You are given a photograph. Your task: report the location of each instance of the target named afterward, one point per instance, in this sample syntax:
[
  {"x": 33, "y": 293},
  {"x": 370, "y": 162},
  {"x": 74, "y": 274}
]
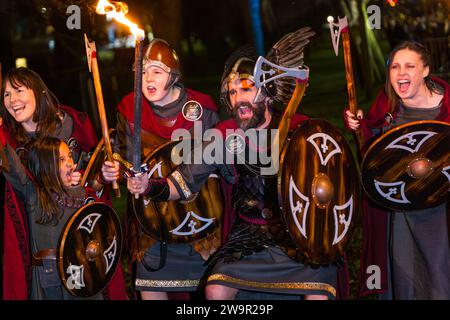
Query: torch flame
[
  {"x": 118, "y": 11},
  {"x": 392, "y": 2}
]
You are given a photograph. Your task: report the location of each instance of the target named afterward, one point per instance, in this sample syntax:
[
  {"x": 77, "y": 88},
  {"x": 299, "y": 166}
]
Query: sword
[
  {"x": 91, "y": 53},
  {"x": 343, "y": 29},
  {"x": 138, "y": 56}
]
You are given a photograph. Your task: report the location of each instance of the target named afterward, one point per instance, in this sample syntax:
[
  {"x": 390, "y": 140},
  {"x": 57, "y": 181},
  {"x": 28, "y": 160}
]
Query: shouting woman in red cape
[{"x": 417, "y": 241}]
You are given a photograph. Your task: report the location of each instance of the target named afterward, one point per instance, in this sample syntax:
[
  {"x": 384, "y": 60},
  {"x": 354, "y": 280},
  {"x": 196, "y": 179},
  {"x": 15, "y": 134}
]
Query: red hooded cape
[{"x": 150, "y": 119}]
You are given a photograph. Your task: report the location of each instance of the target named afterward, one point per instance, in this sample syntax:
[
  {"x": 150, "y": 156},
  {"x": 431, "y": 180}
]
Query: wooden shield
[
  {"x": 179, "y": 221},
  {"x": 408, "y": 168},
  {"x": 97, "y": 159},
  {"x": 319, "y": 191},
  {"x": 89, "y": 249}
]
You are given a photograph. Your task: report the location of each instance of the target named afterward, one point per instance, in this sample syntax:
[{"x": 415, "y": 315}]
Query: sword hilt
[{"x": 128, "y": 169}]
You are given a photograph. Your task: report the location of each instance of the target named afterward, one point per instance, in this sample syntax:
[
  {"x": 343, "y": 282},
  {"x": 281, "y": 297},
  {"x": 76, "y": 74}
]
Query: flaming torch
[
  {"x": 392, "y": 3},
  {"x": 118, "y": 11}
]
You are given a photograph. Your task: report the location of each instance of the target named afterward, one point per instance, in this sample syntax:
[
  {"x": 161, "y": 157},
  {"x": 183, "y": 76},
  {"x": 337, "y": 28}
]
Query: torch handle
[
  {"x": 351, "y": 88},
  {"x": 102, "y": 113}
]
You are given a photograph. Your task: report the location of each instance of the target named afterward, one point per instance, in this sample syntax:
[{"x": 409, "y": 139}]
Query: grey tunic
[{"x": 419, "y": 252}]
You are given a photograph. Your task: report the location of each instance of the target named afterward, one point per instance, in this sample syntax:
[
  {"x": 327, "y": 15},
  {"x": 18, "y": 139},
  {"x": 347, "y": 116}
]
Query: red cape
[
  {"x": 16, "y": 261},
  {"x": 374, "y": 246},
  {"x": 150, "y": 119}
]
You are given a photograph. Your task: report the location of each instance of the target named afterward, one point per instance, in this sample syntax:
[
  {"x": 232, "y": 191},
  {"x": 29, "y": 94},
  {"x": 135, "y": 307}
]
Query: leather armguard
[{"x": 158, "y": 189}]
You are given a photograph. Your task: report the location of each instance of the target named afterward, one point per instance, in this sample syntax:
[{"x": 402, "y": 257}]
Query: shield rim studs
[{"x": 414, "y": 171}]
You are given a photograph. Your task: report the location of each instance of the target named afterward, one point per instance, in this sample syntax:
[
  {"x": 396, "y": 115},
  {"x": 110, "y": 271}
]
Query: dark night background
[{"x": 204, "y": 33}]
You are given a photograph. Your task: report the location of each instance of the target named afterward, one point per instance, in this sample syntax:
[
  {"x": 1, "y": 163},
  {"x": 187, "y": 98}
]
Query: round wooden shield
[
  {"x": 97, "y": 158},
  {"x": 408, "y": 168},
  {"x": 89, "y": 249},
  {"x": 319, "y": 191},
  {"x": 179, "y": 221}
]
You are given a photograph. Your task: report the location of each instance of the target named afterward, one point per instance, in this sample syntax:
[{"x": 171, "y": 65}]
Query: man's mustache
[{"x": 244, "y": 104}]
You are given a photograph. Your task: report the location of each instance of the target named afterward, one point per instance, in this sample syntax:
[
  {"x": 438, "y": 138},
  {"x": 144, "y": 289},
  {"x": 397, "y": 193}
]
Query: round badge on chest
[{"x": 192, "y": 110}]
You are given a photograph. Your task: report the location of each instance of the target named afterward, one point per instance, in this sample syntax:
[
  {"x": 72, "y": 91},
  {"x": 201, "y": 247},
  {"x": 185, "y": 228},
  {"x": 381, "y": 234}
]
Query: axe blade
[
  {"x": 336, "y": 30},
  {"x": 90, "y": 48},
  {"x": 275, "y": 71}
]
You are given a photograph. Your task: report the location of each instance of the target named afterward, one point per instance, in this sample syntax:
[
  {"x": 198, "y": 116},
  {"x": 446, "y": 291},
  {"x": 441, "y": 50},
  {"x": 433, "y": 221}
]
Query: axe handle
[
  {"x": 283, "y": 128},
  {"x": 102, "y": 113},
  {"x": 351, "y": 88}
]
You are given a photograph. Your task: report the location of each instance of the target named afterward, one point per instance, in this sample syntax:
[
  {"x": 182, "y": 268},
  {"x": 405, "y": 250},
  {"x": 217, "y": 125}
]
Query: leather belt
[{"x": 37, "y": 257}]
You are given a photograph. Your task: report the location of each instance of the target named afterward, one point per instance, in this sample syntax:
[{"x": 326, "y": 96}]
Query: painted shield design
[
  {"x": 179, "y": 221},
  {"x": 408, "y": 168},
  {"x": 319, "y": 191},
  {"x": 89, "y": 249}
]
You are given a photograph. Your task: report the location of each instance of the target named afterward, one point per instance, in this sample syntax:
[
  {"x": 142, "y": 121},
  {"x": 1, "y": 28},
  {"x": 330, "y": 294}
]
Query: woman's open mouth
[
  {"x": 403, "y": 85},
  {"x": 18, "y": 109}
]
